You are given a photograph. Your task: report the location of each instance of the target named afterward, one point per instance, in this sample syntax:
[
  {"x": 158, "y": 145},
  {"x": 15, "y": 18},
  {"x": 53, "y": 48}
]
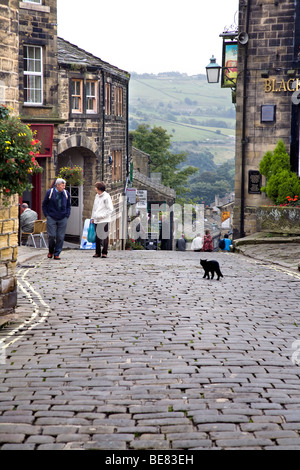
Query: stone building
[
  {"x": 93, "y": 107},
  {"x": 266, "y": 98},
  {"x": 157, "y": 197},
  {"x": 78, "y": 106}
]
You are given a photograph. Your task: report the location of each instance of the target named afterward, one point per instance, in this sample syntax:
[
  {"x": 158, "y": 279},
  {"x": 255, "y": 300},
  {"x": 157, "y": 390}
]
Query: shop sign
[{"x": 272, "y": 85}]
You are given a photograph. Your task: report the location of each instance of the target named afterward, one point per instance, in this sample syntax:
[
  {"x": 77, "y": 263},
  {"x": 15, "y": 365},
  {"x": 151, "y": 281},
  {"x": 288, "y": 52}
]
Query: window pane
[{"x": 75, "y": 102}]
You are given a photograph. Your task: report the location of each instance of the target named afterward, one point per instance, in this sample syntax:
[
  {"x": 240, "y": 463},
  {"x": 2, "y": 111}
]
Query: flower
[
  {"x": 72, "y": 175},
  {"x": 20, "y": 147}
]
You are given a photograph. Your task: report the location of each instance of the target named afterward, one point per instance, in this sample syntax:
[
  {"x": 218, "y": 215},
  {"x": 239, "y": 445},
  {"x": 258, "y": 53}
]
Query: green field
[{"x": 195, "y": 113}]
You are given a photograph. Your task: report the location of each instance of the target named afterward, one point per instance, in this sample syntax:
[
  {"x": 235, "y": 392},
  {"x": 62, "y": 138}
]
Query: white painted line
[{"x": 36, "y": 318}]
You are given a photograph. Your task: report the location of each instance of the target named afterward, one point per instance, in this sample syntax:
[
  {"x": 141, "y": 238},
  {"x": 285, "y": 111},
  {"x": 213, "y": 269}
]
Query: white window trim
[
  {"x": 36, "y": 74},
  {"x": 33, "y": 1},
  {"x": 80, "y": 110},
  {"x": 94, "y": 97}
]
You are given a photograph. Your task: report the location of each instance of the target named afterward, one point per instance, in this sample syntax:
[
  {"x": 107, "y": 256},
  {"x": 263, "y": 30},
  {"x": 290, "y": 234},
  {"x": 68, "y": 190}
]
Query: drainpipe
[
  {"x": 124, "y": 217},
  {"x": 244, "y": 138},
  {"x": 127, "y": 130},
  {"x": 103, "y": 123}
]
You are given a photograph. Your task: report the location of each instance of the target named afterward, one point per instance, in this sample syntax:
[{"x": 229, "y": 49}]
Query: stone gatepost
[{"x": 9, "y": 225}]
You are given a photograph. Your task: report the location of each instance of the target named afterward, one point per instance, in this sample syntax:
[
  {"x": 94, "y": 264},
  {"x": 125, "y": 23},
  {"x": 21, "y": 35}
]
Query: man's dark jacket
[{"x": 50, "y": 204}]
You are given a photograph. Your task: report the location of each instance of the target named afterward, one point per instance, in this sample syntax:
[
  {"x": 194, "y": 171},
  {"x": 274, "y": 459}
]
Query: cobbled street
[{"x": 138, "y": 351}]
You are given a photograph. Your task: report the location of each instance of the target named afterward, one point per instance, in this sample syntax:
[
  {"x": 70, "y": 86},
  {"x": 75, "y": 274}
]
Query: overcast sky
[{"x": 150, "y": 36}]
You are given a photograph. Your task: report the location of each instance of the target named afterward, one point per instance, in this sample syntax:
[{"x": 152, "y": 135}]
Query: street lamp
[{"x": 213, "y": 71}]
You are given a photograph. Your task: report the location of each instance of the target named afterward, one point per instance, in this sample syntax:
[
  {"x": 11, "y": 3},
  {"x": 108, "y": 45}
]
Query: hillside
[{"x": 200, "y": 116}]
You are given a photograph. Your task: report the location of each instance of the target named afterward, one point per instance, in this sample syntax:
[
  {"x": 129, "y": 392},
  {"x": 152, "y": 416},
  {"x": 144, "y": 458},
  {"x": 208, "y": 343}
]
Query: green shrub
[{"x": 281, "y": 182}]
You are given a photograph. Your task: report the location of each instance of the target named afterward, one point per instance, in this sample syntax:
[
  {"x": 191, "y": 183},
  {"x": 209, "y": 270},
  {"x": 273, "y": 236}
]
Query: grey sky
[{"x": 149, "y": 36}]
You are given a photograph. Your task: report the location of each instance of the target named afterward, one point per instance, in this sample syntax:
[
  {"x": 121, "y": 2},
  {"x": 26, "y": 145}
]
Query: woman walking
[{"x": 101, "y": 217}]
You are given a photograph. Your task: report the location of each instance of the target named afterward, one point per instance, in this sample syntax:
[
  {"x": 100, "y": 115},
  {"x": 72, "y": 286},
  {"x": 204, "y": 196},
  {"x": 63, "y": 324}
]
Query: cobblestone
[{"x": 140, "y": 352}]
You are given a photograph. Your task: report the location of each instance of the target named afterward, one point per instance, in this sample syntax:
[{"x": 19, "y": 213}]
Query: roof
[
  {"x": 68, "y": 53},
  {"x": 157, "y": 187}
]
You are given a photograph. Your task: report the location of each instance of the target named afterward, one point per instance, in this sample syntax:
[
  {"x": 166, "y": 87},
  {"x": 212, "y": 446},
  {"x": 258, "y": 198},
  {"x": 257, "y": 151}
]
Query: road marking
[
  {"x": 38, "y": 316},
  {"x": 274, "y": 267}
]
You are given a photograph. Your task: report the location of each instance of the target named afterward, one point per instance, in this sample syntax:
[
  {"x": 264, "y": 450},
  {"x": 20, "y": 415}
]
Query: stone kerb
[{"x": 9, "y": 223}]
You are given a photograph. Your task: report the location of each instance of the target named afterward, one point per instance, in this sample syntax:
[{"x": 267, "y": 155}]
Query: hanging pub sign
[
  {"x": 44, "y": 133},
  {"x": 229, "y": 64}
]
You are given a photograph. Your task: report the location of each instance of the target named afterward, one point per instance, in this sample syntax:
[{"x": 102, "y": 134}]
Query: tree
[
  {"x": 205, "y": 185},
  {"x": 156, "y": 142},
  {"x": 281, "y": 181}
]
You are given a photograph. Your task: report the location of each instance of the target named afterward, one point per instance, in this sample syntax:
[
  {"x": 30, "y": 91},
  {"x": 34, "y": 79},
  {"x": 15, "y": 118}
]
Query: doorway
[
  {"x": 74, "y": 226},
  {"x": 68, "y": 159}
]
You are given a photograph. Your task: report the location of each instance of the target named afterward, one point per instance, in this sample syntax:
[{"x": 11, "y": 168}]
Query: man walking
[{"x": 57, "y": 208}]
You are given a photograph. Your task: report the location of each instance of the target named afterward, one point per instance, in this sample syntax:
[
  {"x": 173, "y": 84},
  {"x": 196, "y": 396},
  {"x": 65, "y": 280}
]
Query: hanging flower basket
[
  {"x": 18, "y": 151},
  {"x": 72, "y": 175}
]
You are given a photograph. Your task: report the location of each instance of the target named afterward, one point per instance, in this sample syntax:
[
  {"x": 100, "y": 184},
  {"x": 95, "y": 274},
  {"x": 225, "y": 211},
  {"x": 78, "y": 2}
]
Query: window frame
[
  {"x": 27, "y": 74},
  {"x": 93, "y": 97},
  {"x": 75, "y": 95},
  {"x": 119, "y": 101},
  {"x": 116, "y": 166},
  {"x": 39, "y": 2}
]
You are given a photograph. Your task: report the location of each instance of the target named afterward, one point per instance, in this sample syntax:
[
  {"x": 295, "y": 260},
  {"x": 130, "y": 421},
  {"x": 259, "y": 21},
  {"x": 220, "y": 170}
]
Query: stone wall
[
  {"x": 9, "y": 224},
  {"x": 9, "y": 50},
  {"x": 278, "y": 220},
  {"x": 9, "y": 95},
  {"x": 270, "y": 54}
]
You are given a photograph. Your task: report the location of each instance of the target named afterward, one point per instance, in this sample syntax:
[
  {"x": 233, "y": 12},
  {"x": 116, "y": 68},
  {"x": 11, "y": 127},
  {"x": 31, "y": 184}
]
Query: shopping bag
[{"x": 91, "y": 235}]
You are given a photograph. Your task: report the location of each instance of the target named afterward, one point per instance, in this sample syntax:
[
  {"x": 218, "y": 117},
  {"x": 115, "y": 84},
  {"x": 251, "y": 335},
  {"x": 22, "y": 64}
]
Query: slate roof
[
  {"x": 68, "y": 53},
  {"x": 159, "y": 188}
]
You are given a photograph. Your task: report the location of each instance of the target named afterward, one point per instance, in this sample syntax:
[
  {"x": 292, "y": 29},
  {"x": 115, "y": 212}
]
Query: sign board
[
  {"x": 131, "y": 195},
  {"x": 254, "y": 182},
  {"x": 229, "y": 69},
  {"x": 141, "y": 199},
  {"x": 85, "y": 245},
  {"x": 225, "y": 215}
]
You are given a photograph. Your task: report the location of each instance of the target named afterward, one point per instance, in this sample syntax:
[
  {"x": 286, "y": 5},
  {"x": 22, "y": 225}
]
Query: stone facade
[
  {"x": 9, "y": 51},
  {"x": 90, "y": 138},
  {"x": 9, "y": 225},
  {"x": 9, "y": 95},
  {"x": 38, "y": 27},
  {"x": 267, "y": 71},
  {"x": 98, "y": 139},
  {"x": 93, "y": 138}
]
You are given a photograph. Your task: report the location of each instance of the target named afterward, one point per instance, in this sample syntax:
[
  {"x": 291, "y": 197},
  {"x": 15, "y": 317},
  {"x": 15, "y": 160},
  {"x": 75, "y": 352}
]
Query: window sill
[
  {"x": 85, "y": 116},
  {"x": 35, "y": 105},
  {"x": 34, "y": 6}
]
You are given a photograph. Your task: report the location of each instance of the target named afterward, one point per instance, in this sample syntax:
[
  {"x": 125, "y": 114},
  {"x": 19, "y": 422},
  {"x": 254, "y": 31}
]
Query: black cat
[{"x": 212, "y": 267}]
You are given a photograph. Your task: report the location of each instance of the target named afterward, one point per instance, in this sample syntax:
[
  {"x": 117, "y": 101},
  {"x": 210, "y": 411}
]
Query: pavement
[{"x": 139, "y": 352}]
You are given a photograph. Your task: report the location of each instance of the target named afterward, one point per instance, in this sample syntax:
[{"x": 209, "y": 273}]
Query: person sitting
[{"x": 27, "y": 218}]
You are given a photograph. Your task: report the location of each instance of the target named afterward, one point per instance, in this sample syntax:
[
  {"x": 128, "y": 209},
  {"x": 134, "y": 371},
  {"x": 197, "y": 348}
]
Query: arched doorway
[{"x": 69, "y": 158}]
